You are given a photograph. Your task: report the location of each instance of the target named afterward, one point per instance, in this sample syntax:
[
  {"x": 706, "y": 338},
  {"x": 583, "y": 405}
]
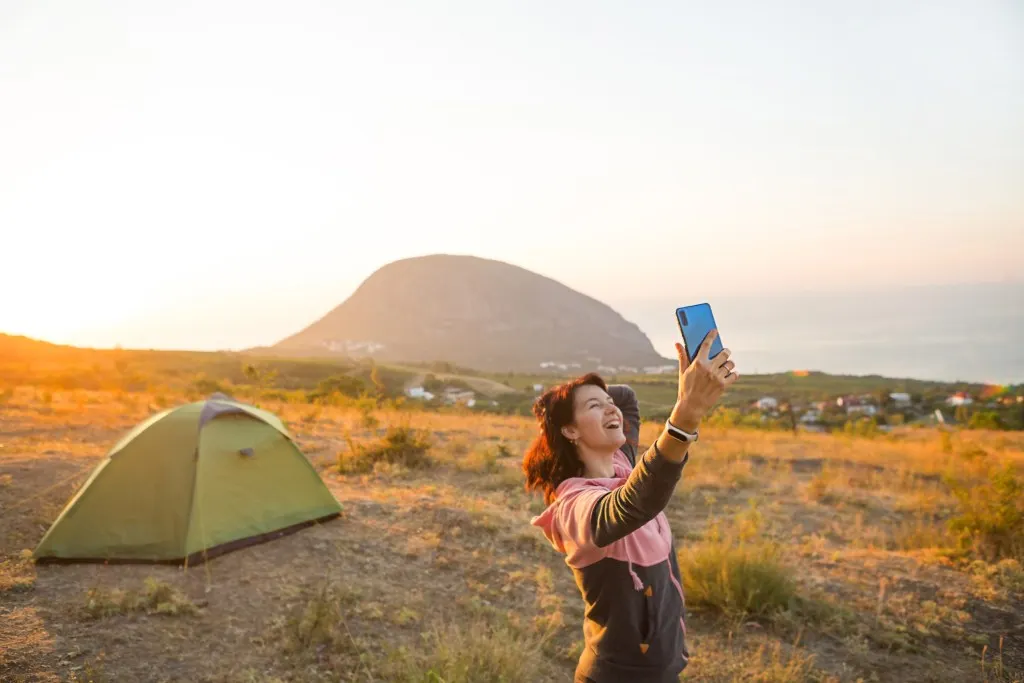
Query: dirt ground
[{"x": 438, "y": 570}]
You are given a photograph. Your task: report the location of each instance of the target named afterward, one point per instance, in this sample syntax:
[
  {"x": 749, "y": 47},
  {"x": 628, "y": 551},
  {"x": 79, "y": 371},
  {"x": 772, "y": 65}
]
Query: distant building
[
  {"x": 864, "y": 409},
  {"x": 453, "y": 395},
  {"x": 900, "y": 399},
  {"x": 767, "y": 403},
  {"x": 538, "y": 388},
  {"x": 419, "y": 392},
  {"x": 352, "y": 346},
  {"x": 960, "y": 398},
  {"x": 811, "y": 417},
  {"x": 857, "y": 404}
]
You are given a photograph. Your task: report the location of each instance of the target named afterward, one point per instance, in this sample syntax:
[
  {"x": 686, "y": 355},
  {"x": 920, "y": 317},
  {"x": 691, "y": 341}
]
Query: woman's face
[{"x": 597, "y": 422}]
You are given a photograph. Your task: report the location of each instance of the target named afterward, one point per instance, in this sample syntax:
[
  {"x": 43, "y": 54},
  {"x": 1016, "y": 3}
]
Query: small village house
[
  {"x": 811, "y": 416},
  {"x": 900, "y": 399},
  {"x": 857, "y": 405},
  {"x": 419, "y": 393},
  {"x": 960, "y": 398},
  {"x": 453, "y": 395}
]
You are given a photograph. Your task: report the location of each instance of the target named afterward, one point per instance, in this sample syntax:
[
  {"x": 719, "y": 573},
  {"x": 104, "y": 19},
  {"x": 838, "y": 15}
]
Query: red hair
[{"x": 552, "y": 458}]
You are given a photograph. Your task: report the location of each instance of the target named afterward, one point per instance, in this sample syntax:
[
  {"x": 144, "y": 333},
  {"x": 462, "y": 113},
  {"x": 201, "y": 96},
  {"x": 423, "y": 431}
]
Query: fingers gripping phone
[{"x": 695, "y": 324}]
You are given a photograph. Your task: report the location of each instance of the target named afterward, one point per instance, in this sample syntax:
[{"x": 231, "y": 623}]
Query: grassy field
[
  {"x": 29, "y": 362},
  {"x": 807, "y": 557}
]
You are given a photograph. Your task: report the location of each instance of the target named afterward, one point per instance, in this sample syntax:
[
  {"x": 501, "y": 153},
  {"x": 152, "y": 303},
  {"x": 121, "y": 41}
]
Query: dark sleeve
[
  {"x": 625, "y": 399},
  {"x": 645, "y": 493}
]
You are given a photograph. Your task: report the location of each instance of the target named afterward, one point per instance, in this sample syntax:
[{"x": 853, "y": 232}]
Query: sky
[{"x": 216, "y": 174}]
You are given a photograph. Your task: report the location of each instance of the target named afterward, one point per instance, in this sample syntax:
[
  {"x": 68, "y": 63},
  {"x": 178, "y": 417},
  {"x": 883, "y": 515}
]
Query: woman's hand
[{"x": 701, "y": 383}]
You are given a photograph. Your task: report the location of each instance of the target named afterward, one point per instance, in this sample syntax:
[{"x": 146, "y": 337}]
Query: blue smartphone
[{"x": 695, "y": 324}]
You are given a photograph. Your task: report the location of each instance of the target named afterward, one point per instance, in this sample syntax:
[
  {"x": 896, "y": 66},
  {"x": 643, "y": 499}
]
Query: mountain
[
  {"x": 18, "y": 347},
  {"x": 477, "y": 313}
]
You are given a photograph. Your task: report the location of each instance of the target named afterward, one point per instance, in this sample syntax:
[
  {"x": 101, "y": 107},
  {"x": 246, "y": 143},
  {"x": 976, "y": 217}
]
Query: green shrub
[
  {"x": 736, "y": 578},
  {"x": 864, "y": 426},
  {"x": 474, "y": 654},
  {"x": 990, "y": 522},
  {"x": 156, "y": 598},
  {"x": 400, "y": 445},
  {"x": 328, "y": 390},
  {"x": 481, "y": 459},
  {"x": 204, "y": 386},
  {"x": 320, "y": 621},
  {"x": 772, "y": 665},
  {"x": 984, "y": 420}
]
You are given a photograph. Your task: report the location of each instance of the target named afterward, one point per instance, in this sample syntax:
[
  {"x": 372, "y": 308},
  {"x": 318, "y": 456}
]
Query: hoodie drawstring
[
  {"x": 682, "y": 619},
  {"x": 637, "y": 583}
]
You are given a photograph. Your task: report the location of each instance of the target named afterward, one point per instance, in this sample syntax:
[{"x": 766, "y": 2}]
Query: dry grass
[
  {"x": 399, "y": 446},
  {"x": 471, "y": 653},
  {"x": 847, "y": 566},
  {"x": 156, "y": 597},
  {"x": 739, "y": 579}
]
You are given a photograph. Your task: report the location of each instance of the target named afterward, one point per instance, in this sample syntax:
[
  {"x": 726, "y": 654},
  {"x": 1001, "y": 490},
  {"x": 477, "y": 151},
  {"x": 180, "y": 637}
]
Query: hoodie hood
[{"x": 567, "y": 526}]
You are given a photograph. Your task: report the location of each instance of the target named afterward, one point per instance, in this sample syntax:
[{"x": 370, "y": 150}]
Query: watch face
[{"x": 681, "y": 435}]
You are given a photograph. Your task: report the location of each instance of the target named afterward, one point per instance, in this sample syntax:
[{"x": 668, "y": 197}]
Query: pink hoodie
[{"x": 641, "y": 637}]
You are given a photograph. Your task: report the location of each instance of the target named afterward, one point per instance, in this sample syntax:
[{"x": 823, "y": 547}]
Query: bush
[
  {"x": 774, "y": 666},
  {"x": 157, "y": 598},
  {"x": 984, "y": 420},
  {"x": 203, "y": 386},
  {"x": 736, "y": 578},
  {"x": 320, "y": 621},
  {"x": 864, "y": 426},
  {"x": 481, "y": 460},
  {"x": 724, "y": 418},
  {"x": 477, "y": 653},
  {"x": 400, "y": 445},
  {"x": 341, "y": 385},
  {"x": 991, "y": 519}
]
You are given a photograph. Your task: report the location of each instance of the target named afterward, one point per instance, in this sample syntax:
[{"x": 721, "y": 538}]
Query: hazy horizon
[
  {"x": 954, "y": 332},
  {"x": 164, "y": 167}
]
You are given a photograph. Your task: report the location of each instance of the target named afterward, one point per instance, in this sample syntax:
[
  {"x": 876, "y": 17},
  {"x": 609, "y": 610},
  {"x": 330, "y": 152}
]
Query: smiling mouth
[{"x": 614, "y": 424}]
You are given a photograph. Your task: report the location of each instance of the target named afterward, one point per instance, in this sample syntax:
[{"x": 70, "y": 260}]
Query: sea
[{"x": 951, "y": 333}]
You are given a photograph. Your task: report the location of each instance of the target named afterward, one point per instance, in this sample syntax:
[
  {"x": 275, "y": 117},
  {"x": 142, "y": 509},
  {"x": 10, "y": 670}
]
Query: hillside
[
  {"x": 805, "y": 558},
  {"x": 477, "y": 313},
  {"x": 30, "y": 362}
]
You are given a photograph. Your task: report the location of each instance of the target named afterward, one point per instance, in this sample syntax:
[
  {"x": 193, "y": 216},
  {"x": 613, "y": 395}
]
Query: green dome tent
[{"x": 189, "y": 483}]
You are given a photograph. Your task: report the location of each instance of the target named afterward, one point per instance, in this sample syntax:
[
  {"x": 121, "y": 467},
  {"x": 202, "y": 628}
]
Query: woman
[{"x": 605, "y": 513}]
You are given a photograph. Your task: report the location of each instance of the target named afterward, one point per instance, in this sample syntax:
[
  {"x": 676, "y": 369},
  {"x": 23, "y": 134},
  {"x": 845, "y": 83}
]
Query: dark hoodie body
[{"x": 617, "y": 541}]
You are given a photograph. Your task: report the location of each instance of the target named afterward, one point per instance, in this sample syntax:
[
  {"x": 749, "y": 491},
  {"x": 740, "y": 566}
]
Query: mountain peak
[{"x": 476, "y": 312}]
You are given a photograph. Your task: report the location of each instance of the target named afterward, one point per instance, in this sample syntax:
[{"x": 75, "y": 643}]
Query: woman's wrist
[{"x": 684, "y": 417}]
